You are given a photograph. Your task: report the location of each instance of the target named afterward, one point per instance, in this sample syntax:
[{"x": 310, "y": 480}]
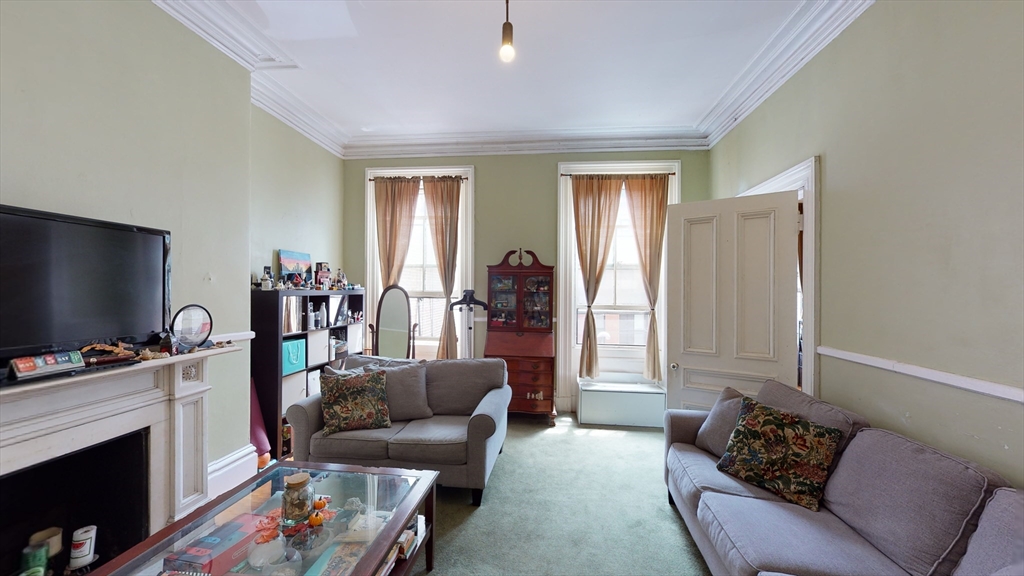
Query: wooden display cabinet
[
  {"x": 520, "y": 330},
  {"x": 291, "y": 347}
]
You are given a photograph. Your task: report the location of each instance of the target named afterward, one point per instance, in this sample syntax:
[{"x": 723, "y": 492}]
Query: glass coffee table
[{"x": 365, "y": 514}]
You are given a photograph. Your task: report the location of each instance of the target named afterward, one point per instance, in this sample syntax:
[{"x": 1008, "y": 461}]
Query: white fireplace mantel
[{"x": 40, "y": 421}]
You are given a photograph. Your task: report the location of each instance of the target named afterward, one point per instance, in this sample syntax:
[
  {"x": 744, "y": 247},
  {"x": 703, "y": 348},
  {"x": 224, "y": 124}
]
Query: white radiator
[{"x": 619, "y": 404}]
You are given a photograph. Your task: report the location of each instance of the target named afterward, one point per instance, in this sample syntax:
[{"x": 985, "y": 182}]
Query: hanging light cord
[{"x": 506, "y": 10}]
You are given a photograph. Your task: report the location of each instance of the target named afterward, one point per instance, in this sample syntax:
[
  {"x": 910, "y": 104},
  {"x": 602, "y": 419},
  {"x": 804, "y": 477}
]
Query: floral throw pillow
[
  {"x": 354, "y": 402},
  {"x": 781, "y": 453}
]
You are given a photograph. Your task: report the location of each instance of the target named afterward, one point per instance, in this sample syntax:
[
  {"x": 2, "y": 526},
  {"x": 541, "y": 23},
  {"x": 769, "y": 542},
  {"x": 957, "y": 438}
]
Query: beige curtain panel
[
  {"x": 595, "y": 203},
  {"x": 647, "y": 195},
  {"x": 442, "y": 195},
  {"x": 396, "y": 207}
]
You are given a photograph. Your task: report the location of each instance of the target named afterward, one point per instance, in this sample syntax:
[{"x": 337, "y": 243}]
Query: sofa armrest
[
  {"x": 682, "y": 426},
  {"x": 490, "y": 412},
  {"x": 306, "y": 417},
  {"x": 486, "y": 435}
]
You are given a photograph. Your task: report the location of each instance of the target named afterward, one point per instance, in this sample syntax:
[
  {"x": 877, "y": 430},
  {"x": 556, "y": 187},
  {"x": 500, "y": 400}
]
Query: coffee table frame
[{"x": 423, "y": 492}]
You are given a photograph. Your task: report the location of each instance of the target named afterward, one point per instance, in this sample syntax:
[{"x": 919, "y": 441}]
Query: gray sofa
[
  {"x": 891, "y": 505},
  {"x": 446, "y": 415}
]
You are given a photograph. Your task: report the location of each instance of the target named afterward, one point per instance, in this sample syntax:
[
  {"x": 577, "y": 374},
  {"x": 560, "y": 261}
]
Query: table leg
[{"x": 433, "y": 527}]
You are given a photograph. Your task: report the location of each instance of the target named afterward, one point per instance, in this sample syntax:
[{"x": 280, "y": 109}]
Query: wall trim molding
[
  {"x": 977, "y": 385},
  {"x": 225, "y": 473},
  {"x": 809, "y": 28},
  {"x": 219, "y": 24},
  {"x": 233, "y": 336},
  {"x": 546, "y": 142},
  {"x": 276, "y": 100}
]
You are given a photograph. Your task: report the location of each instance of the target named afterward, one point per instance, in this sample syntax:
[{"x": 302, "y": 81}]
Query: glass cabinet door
[
  {"x": 504, "y": 300},
  {"x": 537, "y": 302}
]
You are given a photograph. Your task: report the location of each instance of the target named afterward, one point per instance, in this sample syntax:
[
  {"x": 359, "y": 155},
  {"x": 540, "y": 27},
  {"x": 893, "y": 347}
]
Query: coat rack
[{"x": 468, "y": 300}]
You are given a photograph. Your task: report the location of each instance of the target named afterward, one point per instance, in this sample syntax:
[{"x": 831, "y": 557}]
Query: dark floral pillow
[
  {"x": 354, "y": 402},
  {"x": 781, "y": 453}
]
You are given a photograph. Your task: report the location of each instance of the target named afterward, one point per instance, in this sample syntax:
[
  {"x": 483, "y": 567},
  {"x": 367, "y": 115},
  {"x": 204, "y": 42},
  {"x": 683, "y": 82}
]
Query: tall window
[
  {"x": 422, "y": 281},
  {"x": 420, "y": 277},
  {"x": 621, "y": 313},
  {"x": 620, "y": 309}
]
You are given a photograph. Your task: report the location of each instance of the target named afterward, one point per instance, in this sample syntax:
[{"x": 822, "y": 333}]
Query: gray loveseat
[
  {"x": 891, "y": 505},
  {"x": 446, "y": 415}
]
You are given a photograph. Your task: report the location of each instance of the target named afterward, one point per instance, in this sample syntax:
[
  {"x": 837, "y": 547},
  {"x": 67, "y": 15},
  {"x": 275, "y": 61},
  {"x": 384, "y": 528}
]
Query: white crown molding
[
  {"x": 269, "y": 95},
  {"x": 224, "y": 28},
  {"x": 810, "y": 28},
  {"x": 541, "y": 142}
]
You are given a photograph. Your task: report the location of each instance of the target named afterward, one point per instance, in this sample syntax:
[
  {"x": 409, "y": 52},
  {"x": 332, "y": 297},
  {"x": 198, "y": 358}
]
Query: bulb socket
[{"x": 506, "y": 34}]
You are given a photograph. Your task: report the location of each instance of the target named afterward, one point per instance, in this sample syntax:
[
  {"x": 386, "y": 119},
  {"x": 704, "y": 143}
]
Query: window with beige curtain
[
  {"x": 623, "y": 309},
  {"x": 420, "y": 275}
]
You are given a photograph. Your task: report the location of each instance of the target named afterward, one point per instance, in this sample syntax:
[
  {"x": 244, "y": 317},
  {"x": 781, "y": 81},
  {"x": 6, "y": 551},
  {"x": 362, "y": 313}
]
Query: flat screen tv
[{"x": 66, "y": 282}]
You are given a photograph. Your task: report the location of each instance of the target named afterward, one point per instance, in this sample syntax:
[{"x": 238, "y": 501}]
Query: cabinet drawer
[
  {"x": 529, "y": 365},
  {"x": 537, "y": 378},
  {"x": 319, "y": 343},
  {"x": 524, "y": 405},
  {"x": 293, "y": 389},
  {"x": 529, "y": 392}
]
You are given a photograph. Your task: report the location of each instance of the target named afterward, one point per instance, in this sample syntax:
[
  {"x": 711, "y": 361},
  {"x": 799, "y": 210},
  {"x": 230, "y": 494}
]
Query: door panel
[{"x": 731, "y": 296}]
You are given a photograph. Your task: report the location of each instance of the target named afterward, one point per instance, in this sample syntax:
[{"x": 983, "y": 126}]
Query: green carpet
[{"x": 566, "y": 500}]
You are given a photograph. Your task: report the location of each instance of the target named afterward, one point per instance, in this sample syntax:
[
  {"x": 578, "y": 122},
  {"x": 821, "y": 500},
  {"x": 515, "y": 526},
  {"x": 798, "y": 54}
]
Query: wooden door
[{"x": 732, "y": 273}]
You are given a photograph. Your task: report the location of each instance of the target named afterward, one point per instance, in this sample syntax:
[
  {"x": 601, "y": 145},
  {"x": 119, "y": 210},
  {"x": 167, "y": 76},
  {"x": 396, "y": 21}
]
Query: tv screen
[{"x": 67, "y": 281}]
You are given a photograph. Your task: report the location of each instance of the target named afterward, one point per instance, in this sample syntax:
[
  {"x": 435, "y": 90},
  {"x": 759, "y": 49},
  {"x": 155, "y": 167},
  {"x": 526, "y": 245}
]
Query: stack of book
[{"x": 410, "y": 539}]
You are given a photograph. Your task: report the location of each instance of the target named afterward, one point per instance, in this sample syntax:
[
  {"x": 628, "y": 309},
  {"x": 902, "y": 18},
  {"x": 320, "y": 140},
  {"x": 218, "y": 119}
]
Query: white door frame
[{"x": 804, "y": 178}]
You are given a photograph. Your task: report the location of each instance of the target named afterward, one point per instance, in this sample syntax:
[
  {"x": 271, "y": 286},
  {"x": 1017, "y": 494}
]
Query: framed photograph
[
  {"x": 269, "y": 271},
  {"x": 295, "y": 264}
]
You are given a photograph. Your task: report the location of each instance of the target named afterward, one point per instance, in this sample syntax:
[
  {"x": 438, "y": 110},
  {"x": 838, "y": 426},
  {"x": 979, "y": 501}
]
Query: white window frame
[
  {"x": 618, "y": 363},
  {"x": 373, "y": 279}
]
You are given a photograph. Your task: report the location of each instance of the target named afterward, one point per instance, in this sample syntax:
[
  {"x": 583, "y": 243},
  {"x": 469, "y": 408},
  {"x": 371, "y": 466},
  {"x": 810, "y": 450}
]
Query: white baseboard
[{"x": 231, "y": 470}]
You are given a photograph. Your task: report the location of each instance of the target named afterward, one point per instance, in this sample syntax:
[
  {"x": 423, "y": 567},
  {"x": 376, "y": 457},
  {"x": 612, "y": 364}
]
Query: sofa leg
[
  {"x": 671, "y": 502},
  {"x": 478, "y": 496}
]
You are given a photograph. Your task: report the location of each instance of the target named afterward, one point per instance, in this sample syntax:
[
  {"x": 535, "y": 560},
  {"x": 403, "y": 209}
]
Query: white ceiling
[{"x": 369, "y": 78}]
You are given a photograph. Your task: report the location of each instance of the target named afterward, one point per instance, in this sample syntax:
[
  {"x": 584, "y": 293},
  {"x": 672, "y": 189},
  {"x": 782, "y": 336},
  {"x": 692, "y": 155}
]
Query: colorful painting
[{"x": 295, "y": 264}]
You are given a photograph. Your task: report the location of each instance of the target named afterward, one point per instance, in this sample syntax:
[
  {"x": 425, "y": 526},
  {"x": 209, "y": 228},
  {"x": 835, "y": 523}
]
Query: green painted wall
[
  {"x": 296, "y": 195},
  {"x": 114, "y": 110},
  {"x": 916, "y": 112},
  {"x": 515, "y": 203}
]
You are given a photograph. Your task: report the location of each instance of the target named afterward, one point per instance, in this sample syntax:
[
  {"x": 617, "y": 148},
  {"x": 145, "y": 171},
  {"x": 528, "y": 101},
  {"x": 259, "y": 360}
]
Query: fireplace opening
[{"x": 106, "y": 485}]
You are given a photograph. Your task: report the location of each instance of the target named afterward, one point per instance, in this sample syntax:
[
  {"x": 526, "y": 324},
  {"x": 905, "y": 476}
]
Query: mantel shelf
[{"x": 31, "y": 388}]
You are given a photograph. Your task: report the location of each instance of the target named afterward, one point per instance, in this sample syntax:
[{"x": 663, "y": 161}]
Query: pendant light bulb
[{"x": 507, "y": 52}]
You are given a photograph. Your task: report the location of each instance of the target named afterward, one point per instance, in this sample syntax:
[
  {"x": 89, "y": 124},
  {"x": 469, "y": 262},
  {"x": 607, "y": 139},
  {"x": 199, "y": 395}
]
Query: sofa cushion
[
  {"x": 776, "y": 450},
  {"x": 455, "y": 387},
  {"x": 778, "y": 395},
  {"x": 888, "y": 487},
  {"x": 354, "y": 402},
  {"x": 363, "y": 444},
  {"x": 753, "y": 536},
  {"x": 407, "y": 392},
  {"x": 714, "y": 433},
  {"x": 359, "y": 360},
  {"x": 436, "y": 440},
  {"x": 694, "y": 471},
  {"x": 999, "y": 540}
]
